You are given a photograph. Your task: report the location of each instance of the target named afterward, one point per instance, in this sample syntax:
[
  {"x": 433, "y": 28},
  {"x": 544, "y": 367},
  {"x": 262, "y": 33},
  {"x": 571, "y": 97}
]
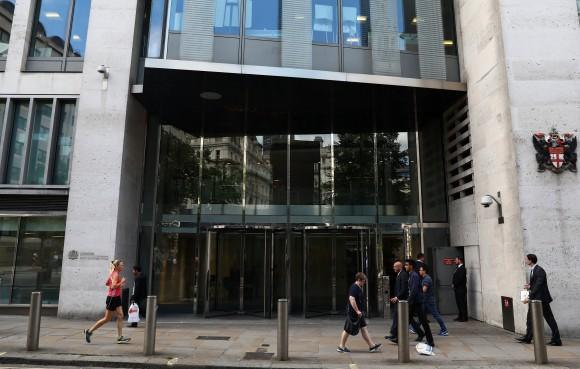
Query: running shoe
[
  {"x": 412, "y": 331},
  {"x": 375, "y": 348},
  {"x": 444, "y": 333},
  {"x": 87, "y": 335},
  {"x": 123, "y": 339},
  {"x": 342, "y": 350}
]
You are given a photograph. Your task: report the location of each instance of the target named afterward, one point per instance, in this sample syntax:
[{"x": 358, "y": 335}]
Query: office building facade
[{"x": 241, "y": 151}]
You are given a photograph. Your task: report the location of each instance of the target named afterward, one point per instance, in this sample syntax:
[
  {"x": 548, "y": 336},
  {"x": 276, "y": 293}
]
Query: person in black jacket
[
  {"x": 139, "y": 291},
  {"x": 401, "y": 292},
  {"x": 539, "y": 290},
  {"x": 460, "y": 287},
  {"x": 415, "y": 300}
]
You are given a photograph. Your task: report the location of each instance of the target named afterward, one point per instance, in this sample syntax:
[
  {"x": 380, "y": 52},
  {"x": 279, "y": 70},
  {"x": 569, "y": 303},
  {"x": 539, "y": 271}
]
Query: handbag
[{"x": 352, "y": 327}]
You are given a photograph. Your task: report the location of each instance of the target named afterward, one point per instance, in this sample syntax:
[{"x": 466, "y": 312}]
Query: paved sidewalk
[{"x": 251, "y": 343}]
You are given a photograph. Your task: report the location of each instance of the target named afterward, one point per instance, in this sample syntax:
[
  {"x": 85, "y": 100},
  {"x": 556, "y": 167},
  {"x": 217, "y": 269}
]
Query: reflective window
[
  {"x": 311, "y": 178},
  {"x": 53, "y": 21},
  {"x": 354, "y": 180},
  {"x": 8, "y": 241},
  {"x": 179, "y": 170},
  {"x": 266, "y": 174},
  {"x": 2, "y": 111},
  {"x": 154, "y": 35},
  {"x": 408, "y": 25},
  {"x": 221, "y": 192},
  {"x": 6, "y": 15},
  {"x": 263, "y": 18},
  {"x": 64, "y": 143},
  {"x": 227, "y": 17},
  {"x": 176, "y": 16},
  {"x": 449, "y": 39},
  {"x": 355, "y": 22},
  {"x": 38, "y": 153},
  {"x": 39, "y": 259},
  {"x": 324, "y": 21},
  {"x": 80, "y": 24},
  {"x": 17, "y": 143}
]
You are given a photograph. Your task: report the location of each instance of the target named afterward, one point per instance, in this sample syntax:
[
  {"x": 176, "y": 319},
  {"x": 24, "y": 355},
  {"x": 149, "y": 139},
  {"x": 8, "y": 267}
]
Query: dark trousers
[
  {"x": 549, "y": 316},
  {"x": 395, "y": 322},
  {"x": 417, "y": 309},
  {"x": 461, "y": 301}
]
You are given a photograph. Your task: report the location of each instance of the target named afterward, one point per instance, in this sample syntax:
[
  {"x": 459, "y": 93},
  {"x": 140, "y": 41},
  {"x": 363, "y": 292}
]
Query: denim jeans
[{"x": 430, "y": 308}]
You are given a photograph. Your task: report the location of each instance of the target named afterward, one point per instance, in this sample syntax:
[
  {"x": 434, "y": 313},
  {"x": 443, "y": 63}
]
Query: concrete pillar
[{"x": 103, "y": 209}]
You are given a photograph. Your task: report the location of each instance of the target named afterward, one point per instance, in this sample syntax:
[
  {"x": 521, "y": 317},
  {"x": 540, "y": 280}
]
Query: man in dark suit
[
  {"x": 401, "y": 292},
  {"x": 139, "y": 291},
  {"x": 539, "y": 290},
  {"x": 460, "y": 287}
]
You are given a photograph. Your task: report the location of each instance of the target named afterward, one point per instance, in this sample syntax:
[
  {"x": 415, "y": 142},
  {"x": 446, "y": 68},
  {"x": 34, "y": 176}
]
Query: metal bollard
[
  {"x": 540, "y": 352},
  {"x": 34, "y": 321},
  {"x": 283, "y": 329},
  {"x": 403, "y": 331},
  {"x": 150, "y": 326}
]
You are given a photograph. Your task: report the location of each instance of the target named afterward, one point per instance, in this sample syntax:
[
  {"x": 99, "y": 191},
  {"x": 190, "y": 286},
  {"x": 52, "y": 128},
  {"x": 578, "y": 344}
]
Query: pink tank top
[{"x": 113, "y": 292}]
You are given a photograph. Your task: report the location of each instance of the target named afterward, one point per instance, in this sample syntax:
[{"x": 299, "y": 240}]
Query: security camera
[
  {"x": 104, "y": 70},
  {"x": 486, "y": 201}
]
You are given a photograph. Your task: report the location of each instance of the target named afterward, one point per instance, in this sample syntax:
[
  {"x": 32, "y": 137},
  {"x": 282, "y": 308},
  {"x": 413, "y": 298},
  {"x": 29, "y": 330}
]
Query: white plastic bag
[
  {"x": 133, "y": 313},
  {"x": 424, "y": 349},
  {"x": 524, "y": 295}
]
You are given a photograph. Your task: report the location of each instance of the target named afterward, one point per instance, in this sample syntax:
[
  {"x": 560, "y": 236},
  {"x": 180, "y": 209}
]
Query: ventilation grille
[
  {"x": 458, "y": 162},
  {"x": 33, "y": 203}
]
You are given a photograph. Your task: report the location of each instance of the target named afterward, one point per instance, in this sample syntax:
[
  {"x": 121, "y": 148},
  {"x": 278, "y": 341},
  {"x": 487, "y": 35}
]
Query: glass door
[
  {"x": 256, "y": 273},
  {"x": 319, "y": 274}
]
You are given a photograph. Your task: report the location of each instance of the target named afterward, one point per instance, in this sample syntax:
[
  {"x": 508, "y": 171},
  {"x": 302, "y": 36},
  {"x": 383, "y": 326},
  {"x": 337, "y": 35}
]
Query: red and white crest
[
  {"x": 555, "y": 152},
  {"x": 556, "y": 156}
]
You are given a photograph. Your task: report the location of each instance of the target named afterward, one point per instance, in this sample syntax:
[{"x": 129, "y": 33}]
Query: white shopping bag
[
  {"x": 524, "y": 295},
  {"x": 424, "y": 349},
  {"x": 133, "y": 313}
]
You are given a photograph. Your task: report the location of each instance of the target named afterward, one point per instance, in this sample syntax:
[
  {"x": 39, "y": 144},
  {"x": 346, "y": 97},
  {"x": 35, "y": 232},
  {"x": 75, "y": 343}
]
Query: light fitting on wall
[
  {"x": 488, "y": 200},
  {"x": 104, "y": 70}
]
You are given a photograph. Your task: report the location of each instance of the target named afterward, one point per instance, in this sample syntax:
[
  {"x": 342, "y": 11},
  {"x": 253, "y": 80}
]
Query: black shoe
[
  {"x": 394, "y": 340},
  {"x": 457, "y": 319},
  {"x": 390, "y": 337},
  {"x": 87, "y": 335},
  {"x": 419, "y": 338},
  {"x": 375, "y": 348},
  {"x": 555, "y": 343},
  {"x": 133, "y": 325},
  {"x": 524, "y": 340}
]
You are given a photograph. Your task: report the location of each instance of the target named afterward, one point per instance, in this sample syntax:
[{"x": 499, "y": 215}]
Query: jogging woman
[{"x": 113, "y": 304}]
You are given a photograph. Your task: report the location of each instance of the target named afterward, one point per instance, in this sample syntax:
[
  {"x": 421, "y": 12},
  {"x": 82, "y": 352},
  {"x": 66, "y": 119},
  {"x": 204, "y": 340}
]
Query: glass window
[
  {"x": 64, "y": 143},
  {"x": 408, "y": 25},
  {"x": 6, "y": 15},
  {"x": 311, "y": 178},
  {"x": 80, "y": 24},
  {"x": 52, "y": 23},
  {"x": 39, "y": 259},
  {"x": 176, "y": 16},
  {"x": 2, "y": 111},
  {"x": 355, "y": 22},
  {"x": 449, "y": 39},
  {"x": 8, "y": 241},
  {"x": 263, "y": 18},
  {"x": 227, "y": 17},
  {"x": 154, "y": 36},
  {"x": 221, "y": 192},
  {"x": 38, "y": 153},
  {"x": 266, "y": 179},
  {"x": 17, "y": 143},
  {"x": 354, "y": 178},
  {"x": 324, "y": 22}
]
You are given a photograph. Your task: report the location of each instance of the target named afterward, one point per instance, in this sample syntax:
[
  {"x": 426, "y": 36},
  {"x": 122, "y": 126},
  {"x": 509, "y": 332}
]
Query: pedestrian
[
  {"x": 420, "y": 261},
  {"x": 416, "y": 304},
  {"x": 401, "y": 293},
  {"x": 429, "y": 299},
  {"x": 459, "y": 285},
  {"x": 355, "y": 317},
  {"x": 113, "y": 303},
  {"x": 539, "y": 290},
  {"x": 139, "y": 290}
]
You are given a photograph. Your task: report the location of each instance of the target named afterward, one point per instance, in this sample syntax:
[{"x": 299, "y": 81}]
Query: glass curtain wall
[
  {"x": 408, "y": 38},
  {"x": 6, "y": 15},
  {"x": 30, "y": 258}
]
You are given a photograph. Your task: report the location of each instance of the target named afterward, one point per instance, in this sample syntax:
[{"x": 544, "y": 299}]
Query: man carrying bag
[{"x": 355, "y": 320}]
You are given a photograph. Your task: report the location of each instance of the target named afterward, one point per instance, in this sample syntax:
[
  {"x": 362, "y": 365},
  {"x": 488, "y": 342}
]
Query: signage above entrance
[{"x": 448, "y": 261}]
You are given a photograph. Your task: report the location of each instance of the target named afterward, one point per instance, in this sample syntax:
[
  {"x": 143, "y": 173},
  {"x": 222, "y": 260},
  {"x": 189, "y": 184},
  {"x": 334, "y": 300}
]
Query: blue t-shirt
[{"x": 428, "y": 282}]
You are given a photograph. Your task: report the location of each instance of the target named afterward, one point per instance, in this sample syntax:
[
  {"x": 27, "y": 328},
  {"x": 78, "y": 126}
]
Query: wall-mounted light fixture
[{"x": 488, "y": 200}]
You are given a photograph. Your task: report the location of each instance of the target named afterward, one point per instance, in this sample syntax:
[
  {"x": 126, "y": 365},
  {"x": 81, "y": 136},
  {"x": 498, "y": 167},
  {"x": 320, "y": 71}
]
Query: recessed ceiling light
[
  {"x": 448, "y": 42},
  {"x": 414, "y": 20},
  {"x": 361, "y": 18},
  {"x": 76, "y": 37},
  {"x": 52, "y": 15},
  {"x": 352, "y": 39},
  {"x": 210, "y": 95}
]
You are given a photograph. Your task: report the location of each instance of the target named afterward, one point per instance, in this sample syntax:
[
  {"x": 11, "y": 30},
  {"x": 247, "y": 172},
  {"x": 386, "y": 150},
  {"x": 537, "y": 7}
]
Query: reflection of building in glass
[{"x": 6, "y": 14}]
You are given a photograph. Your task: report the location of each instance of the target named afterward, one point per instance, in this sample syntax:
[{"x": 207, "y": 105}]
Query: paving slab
[{"x": 251, "y": 343}]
